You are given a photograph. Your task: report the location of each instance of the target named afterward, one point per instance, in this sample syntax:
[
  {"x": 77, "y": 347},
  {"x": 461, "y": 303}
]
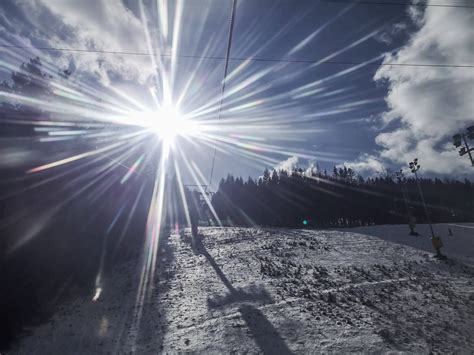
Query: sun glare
[{"x": 168, "y": 124}]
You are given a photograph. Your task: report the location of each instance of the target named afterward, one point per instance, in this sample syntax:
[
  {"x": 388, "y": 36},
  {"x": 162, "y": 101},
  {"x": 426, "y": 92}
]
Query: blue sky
[{"x": 365, "y": 116}]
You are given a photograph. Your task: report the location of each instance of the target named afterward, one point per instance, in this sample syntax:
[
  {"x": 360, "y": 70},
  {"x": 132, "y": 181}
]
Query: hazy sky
[{"x": 345, "y": 111}]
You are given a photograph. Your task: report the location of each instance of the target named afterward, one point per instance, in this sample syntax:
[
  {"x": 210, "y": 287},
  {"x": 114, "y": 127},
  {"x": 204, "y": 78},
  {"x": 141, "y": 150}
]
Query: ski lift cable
[
  {"x": 226, "y": 67},
  {"x": 250, "y": 59},
  {"x": 396, "y": 3}
]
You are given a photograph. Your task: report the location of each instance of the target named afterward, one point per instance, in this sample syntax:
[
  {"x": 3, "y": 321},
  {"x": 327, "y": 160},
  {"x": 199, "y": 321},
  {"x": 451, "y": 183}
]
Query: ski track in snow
[{"x": 255, "y": 290}]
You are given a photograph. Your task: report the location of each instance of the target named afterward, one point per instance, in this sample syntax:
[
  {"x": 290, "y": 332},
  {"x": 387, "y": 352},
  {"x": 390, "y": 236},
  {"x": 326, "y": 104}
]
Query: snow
[
  {"x": 252, "y": 290},
  {"x": 457, "y": 244}
]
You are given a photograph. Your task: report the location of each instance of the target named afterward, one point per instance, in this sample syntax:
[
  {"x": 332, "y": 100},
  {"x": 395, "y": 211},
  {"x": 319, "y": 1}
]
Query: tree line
[{"x": 343, "y": 198}]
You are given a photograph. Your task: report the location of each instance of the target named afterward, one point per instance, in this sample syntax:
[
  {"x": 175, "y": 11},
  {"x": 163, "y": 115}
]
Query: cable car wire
[{"x": 226, "y": 67}]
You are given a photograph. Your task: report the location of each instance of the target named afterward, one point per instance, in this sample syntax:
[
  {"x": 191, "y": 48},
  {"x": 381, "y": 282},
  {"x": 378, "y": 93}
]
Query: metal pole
[
  {"x": 467, "y": 147},
  {"x": 405, "y": 199},
  {"x": 399, "y": 176},
  {"x": 424, "y": 205}
]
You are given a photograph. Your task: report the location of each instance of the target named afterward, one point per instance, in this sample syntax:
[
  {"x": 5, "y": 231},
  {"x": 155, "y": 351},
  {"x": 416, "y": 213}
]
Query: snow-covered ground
[
  {"x": 279, "y": 291},
  {"x": 458, "y": 243}
]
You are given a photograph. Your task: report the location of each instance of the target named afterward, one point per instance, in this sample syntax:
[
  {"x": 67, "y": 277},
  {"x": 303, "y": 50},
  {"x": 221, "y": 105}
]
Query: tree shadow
[
  {"x": 250, "y": 293},
  {"x": 265, "y": 334},
  {"x": 267, "y": 337}
]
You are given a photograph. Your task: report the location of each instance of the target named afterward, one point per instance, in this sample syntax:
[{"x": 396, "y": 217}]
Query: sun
[{"x": 168, "y": 123}]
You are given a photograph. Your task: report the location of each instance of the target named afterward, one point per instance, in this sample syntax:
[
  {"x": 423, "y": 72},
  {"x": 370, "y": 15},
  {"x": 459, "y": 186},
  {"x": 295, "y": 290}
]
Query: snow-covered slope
[
  {"x": 459, "y": 243},
  {"x": 274, "y": 291}
]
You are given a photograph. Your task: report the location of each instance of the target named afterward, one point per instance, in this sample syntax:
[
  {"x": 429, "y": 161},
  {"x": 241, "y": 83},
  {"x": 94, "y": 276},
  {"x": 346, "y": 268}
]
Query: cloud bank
[{"x": 427, "y": 105}]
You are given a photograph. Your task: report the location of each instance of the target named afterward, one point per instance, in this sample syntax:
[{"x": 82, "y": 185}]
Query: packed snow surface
[{"x": 277, "y": 291}]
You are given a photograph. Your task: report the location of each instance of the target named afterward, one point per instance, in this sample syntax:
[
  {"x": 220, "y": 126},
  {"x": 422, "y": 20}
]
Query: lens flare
[
  {"x": 98, "y": 140},
  {"x": 168, "y": 123}
]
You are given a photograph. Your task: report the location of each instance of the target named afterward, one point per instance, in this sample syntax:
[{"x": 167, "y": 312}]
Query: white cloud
[
  {"x": 87, "y": 24},
  {"x": 312, "y": 168},
  {"x": 427, "y": 105},
  {"x": 388, "y": 35},
  {"x": 366, "y": 164},
  {"x": 288, "y": 165}
]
